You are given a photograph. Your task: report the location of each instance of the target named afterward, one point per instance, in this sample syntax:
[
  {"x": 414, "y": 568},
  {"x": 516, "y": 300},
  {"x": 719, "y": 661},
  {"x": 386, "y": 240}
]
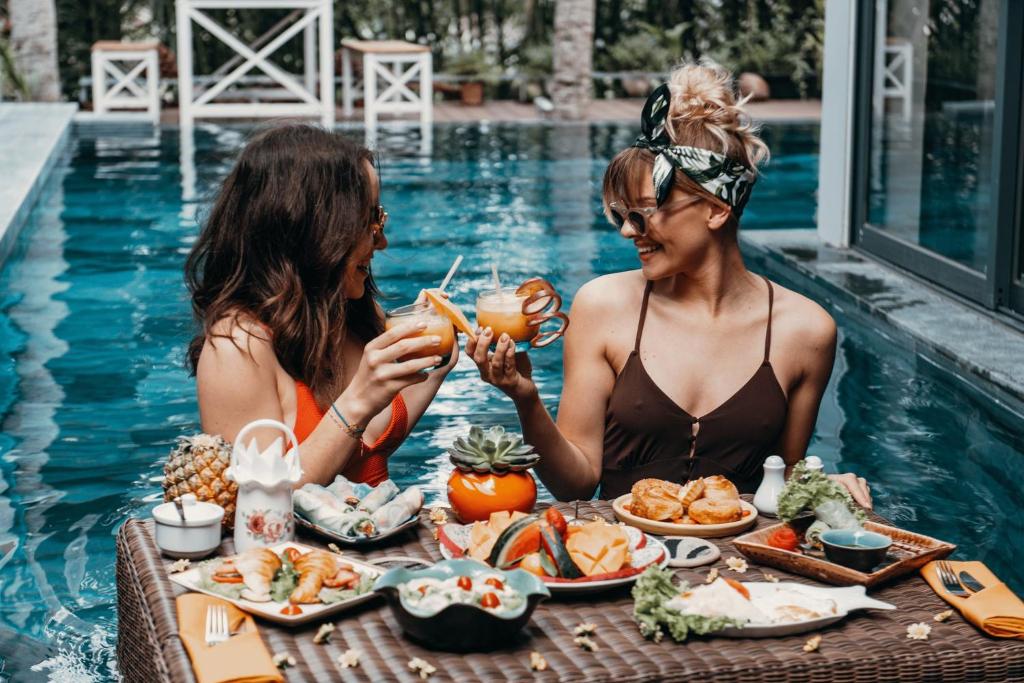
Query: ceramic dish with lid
[
  {"x": 462, "y": 605},
  {"x": 190, "y": 531}
]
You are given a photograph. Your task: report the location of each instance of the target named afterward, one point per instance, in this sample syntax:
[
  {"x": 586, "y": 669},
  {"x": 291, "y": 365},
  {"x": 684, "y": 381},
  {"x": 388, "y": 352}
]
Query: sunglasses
[
  {"x": 638, "y": 217},
  {"x": 378, "y": 221}
]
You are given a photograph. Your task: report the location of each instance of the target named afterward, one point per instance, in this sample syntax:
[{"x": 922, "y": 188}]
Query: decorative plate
[
  {"x": 847, "y": 600},
  {"x": 621, "y": 507},
  {"x": 271, "y": 610},
  {"x": 644, "y": 551},
  {"x": 355, "y": 540}
]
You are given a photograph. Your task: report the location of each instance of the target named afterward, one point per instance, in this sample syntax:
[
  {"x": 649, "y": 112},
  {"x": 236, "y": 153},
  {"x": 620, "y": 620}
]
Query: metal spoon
[{"x": 180, "y": 508}]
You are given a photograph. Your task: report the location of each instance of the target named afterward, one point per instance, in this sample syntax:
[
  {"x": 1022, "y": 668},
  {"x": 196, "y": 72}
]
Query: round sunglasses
[{"x": 638, "y": 217}]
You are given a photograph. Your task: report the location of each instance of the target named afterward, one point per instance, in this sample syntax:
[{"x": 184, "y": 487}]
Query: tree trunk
[
  {"x": 34, "y": 44},
  {"x": 573, "y": 58}
]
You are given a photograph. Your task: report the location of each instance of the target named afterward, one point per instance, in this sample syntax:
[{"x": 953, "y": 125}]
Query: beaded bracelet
[{"x": 355, "y": 431}]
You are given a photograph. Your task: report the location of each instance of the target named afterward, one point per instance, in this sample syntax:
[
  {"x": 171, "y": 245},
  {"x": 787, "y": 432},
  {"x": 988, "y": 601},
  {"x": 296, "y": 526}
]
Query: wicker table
[{"x": 869, "y": 646}]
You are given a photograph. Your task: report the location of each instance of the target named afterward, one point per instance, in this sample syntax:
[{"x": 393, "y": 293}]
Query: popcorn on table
[
  {"x": 323, "y": 634},
  {"x": 349, "y": 659},
  {"x": 537, "y": 661},
  {"x": 422, "y": 667}
]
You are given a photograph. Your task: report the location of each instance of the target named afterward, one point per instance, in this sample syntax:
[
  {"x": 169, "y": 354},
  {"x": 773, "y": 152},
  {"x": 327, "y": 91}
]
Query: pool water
[{"x": 94, "y": 320}]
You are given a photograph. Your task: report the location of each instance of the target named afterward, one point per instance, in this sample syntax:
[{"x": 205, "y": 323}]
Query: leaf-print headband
[{"x": 723, "y": 177}]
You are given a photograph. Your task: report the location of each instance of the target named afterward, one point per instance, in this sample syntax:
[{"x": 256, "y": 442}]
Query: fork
[
  {"x": 949, "y": 581},
  {"x": 216, "y": 625}
]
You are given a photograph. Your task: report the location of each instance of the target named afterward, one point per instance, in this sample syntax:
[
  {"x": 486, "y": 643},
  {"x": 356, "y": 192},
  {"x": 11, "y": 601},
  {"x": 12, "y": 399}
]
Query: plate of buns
[{"x": 708, "y": 507}]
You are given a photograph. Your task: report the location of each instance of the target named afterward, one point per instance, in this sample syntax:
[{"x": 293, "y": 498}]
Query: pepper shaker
[{"x": 766, "y": 498}]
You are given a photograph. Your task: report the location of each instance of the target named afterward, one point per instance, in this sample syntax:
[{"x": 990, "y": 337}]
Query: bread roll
[
  {"x": 712, "y": 511},
  {"x": 656, "y": 499},
  {"x": 720, "y": 488},
  {"x": 691, "y": 491}
]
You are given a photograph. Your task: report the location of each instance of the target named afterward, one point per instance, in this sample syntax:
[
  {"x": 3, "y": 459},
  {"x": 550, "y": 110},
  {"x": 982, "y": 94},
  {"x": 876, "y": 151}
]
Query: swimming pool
[{"x": 94, "y": 318}]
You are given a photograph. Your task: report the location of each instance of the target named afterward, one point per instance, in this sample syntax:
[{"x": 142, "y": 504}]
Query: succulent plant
[{"x": 492, "y": 451}]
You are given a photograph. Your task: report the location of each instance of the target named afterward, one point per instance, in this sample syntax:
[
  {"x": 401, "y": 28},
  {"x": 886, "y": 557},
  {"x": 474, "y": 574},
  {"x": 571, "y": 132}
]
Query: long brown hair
[{"x": 275, "y": 246}]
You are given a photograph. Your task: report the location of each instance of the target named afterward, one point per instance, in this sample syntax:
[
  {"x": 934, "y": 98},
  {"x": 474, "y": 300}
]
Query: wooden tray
[
  {"x": 620, "y": 506},
  {"x": 909, "y": 552}
]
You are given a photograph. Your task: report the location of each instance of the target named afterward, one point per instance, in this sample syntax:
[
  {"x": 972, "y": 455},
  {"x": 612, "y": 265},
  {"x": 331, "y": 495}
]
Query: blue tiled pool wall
[{"x": 94, "y": 318}]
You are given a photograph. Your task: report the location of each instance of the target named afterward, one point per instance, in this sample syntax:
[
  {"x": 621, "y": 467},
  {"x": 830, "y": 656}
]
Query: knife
[{"x": 970, "y": 582}]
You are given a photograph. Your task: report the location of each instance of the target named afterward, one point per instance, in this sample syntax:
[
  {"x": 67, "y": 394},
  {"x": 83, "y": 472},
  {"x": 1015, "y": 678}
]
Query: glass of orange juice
[
  {"x": 437, "y": 324},
  {"x": 502, "y": 311}
]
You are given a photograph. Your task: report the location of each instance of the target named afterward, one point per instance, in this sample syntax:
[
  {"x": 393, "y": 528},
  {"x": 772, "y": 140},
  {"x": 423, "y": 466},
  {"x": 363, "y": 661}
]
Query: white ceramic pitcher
[{"x": 263, "y": 513}]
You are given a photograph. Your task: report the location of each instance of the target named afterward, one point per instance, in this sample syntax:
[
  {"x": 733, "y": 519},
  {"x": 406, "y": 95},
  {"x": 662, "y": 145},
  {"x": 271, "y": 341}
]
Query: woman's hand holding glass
[
  {"x": 504, "y": 368},
  {"x": 380, "y": 375}
]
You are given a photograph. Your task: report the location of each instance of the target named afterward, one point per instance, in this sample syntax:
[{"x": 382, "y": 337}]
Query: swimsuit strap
[
  {"x": 768, "y": 330},
  {"x": 643, "y": 315}
]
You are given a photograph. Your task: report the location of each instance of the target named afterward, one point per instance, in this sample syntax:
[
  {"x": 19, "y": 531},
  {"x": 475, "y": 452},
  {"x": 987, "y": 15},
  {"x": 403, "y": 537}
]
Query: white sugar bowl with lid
[{"x": 191, "y": 530}]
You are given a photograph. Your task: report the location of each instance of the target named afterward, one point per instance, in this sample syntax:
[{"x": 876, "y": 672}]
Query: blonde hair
[{"x": 704, "y": 112}]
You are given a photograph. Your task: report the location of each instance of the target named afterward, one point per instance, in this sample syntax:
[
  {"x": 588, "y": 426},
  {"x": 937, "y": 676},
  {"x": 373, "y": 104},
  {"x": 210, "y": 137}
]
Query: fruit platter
[
  {"x": 357, "y": 514},
  {"x": 289, "y": 583},
  {"x": 577, "y": 556},
  {"x": 708, "y": 507}
]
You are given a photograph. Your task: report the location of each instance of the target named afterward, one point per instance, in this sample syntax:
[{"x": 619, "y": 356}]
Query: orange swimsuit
[{"x": 371, "y": 465}]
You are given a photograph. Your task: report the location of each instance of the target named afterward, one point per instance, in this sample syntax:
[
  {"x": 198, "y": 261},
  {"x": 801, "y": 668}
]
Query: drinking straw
[
  {"x": 497, "y": 282},
  {"x": 451, "y": 273}
]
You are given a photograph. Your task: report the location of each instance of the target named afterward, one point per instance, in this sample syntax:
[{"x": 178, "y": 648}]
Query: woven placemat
[{"x": 868, "y": 646}]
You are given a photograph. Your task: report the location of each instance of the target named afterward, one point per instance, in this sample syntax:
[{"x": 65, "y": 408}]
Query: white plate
[
  {"x": 272, "y": 610},
  {"x": 848, "y": 599},
  {"x": 621, "y": 507},
  {"x": 652, "y": 552},
  {"x": 356, "y": 540}
]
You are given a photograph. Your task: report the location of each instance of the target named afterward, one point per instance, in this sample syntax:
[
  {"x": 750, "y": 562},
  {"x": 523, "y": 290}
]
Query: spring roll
[
  {"x": 342, "y": 488},
  {"x": 317, "y": 503},
  {"x": 400, "y": 508},
  {"x": 380, "y": 495}
]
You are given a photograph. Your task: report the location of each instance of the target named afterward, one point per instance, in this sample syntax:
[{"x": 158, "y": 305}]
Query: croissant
[
  {"x": 718, "y": 487},
  {"x": 656, "y": 499},
  {"x": 313, "y": 568},
  {"x": 257, "y": 568},
  {"x": 691, "y": 491}
]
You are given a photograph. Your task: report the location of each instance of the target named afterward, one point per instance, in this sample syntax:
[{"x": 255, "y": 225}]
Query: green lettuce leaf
[
  {"x": 331, "y": 595},
  {"x": 807, "y": 489},
  {"x": 650, "y": 593},
  {"x": 285, "y": 581}
]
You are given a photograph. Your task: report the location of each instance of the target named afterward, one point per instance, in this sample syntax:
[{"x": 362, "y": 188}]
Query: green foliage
[
  {"x": 807, "y": 489},
  {"x": 650, "y": 593}
]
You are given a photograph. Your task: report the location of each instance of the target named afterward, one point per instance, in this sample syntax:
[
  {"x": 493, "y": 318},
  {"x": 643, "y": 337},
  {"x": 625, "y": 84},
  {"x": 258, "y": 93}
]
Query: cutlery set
[{"x": 961, "y": 584}]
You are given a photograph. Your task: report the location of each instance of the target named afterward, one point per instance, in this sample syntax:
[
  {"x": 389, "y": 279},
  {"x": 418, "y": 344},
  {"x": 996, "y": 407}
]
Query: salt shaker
[
  {"x": 814, "y": 463},
  {"x": 766, "y": 498}
]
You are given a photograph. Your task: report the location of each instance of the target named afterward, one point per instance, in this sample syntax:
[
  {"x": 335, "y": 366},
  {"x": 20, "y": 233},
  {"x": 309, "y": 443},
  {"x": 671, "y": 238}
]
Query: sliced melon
[
  {"x": 551, "y": 541},
  {"x": 448, "y": 309},
  {"x": 518, "y": 540},
  {"x": 481, "y": 540},
  {"x": 599, "y": 548}
]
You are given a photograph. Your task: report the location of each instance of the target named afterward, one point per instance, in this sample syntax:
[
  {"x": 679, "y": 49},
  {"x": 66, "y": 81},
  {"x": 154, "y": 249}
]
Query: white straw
[
  {"x": 497, "y": 282},
  {"x": 451, "y": 273}
]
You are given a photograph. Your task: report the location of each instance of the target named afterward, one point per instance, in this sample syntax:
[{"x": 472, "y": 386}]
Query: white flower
[
  {"x": 942, "y": 616},
  {"x": 737, "y": 564},
  {"x": 712, "y": 575},
  {"x": 349, "y": 658},
  {"x": 770, "y": 578},
  {"x": 537, "y": 661},
  {"x": 812, "y": 644},
  {"x": 323, "y": 634},
  {"x": 283, "y": 659},
  {"x": 422, "y": 667},
  {"x": 438, "y": 515},
  {"x": 333, "y": 547},
  {"x": 918, "y": 631},
  {"x": 586, "y": 643},
  {"x": 179, "y": 566},
  {"x": 585, "y": 629}
]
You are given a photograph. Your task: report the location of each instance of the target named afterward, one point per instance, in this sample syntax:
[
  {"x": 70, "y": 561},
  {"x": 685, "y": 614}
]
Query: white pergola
[{"x": 315, "y": 18}]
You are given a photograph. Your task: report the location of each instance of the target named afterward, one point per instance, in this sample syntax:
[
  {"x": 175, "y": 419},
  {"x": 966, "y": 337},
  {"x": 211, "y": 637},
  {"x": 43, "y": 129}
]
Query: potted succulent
[
  {"x": 476, "y": 70},
  {"x": 491, "y": 474}
]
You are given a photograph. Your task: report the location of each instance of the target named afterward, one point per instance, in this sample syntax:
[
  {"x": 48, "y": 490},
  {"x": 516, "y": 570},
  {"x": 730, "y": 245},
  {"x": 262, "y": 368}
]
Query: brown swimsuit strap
[{"x": 767, "y": 334}]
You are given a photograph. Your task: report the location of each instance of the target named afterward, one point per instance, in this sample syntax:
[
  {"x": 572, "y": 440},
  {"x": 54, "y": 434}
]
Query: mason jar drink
[{"x": 437, "y": 325}]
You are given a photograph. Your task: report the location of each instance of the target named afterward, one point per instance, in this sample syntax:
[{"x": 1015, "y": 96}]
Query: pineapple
[
  {"x": 492, "y": 451},
  {"x": 198, "y": 464}
]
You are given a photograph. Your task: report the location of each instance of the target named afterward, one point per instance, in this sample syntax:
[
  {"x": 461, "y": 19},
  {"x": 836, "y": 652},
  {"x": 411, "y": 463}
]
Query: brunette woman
[
  {"x": 691, "y": 365},
  {"x": 290, "y": 328}
]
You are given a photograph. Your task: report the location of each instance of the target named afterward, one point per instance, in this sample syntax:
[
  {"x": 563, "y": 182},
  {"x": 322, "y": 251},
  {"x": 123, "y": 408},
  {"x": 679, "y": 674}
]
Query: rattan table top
[{"x": 867, "y": 646}]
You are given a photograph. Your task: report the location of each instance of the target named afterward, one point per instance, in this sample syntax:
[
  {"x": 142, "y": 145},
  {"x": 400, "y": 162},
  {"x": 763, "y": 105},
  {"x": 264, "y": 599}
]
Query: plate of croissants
[
  {"x": 289, "y": 583},
  {"x": 708, "y": 507}
]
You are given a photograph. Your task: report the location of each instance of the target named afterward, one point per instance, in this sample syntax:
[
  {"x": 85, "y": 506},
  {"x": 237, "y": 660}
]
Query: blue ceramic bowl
[
  {"x": 855, "y": 548},
  {"x": 460, "y": 627}
]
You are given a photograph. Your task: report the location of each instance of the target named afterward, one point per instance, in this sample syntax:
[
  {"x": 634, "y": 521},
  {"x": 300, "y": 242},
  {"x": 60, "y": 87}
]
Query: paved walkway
[
  {"x": 628, "y": 110},
  {"x": 976, "y": 343},
  {"x": 31, "y": 138}
]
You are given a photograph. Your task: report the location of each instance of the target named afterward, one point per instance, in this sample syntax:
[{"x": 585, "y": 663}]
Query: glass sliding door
[{"x": 930, "y": 136}]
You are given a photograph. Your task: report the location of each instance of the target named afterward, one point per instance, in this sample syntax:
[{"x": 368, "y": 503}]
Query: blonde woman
[{"x": 691, "y": 365}]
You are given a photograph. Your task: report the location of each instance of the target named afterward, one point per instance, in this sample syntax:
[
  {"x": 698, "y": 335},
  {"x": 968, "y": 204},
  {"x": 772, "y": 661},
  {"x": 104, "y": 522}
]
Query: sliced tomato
[
  {"x": 227, "y": 578},
  {"x": 465, "y": 583},
  {"x": 497, "y": 583},
  {"x": 292, "y": 554},
  {"x": 783, "y": 538},
  {"x": 343, "y": 579},
  {"x": 490, "y": 601}
]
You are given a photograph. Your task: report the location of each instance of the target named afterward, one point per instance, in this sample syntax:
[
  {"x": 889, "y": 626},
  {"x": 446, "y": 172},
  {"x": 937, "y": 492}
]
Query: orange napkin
[
  {"x": 241, "y": 659},
  {"x": 995, "y": 610}
]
